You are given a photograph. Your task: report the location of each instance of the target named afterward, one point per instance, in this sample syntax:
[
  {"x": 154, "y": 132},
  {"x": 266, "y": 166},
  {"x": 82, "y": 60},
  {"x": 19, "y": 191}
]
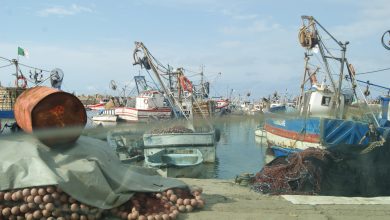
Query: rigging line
[
  {"x": 6, "y": 59},
  {"x": 21, "y": 64},
  {"x": 327, "y": 50},
  {"x": 158, "y": 62},
  {"x": 191, "y": 71},
  {"x": 152, "y": 79},
  {"x": 6, "y": 65},
  {"x": 374, "y": 71}
]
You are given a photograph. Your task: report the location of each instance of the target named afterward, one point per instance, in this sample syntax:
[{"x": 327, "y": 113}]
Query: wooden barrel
[{"x": 40, "y": 109}]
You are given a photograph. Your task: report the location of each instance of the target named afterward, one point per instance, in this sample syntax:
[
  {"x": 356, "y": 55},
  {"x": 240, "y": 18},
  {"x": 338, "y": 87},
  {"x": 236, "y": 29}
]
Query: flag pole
[{"x": 17, "y": 64}]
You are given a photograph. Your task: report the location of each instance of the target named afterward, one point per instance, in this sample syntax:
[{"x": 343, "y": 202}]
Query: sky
[{"x": 252, "y": 44}]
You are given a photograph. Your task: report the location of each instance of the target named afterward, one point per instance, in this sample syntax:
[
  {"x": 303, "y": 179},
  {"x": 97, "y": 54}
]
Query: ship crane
[{"x": 145, "y": 59}]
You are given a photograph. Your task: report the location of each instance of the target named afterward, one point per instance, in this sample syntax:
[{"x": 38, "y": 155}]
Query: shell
[
  {"x": 74, "y": 207},
  {"x": 193, "y": 202},
  {"x": 49, "y": 207},
  {"x": 173, "y": 198},
  {"x": 34, "y": 191},
  {"x": 182, "y": 208},
  {"x": 189, "y": 208},
  {"x": 15, "y": 210},
  {"x": 41, "y": 191},
  {"x": 46, "y": 213},
  {"x": 37, "y": 214},
  {"x": 24, "y": 208},
  {"x": 26, "y": 192},
  {"x": 38, "y": 200},
  {"x": 50, "y": 189},
  {"x": 179, "y": 201}
]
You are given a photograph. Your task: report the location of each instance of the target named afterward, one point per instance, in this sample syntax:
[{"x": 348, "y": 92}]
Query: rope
[
  {"x": 6, "y": 65},
  {"x": 373, "y": 71},
  {"x": 21, "y": 64}
]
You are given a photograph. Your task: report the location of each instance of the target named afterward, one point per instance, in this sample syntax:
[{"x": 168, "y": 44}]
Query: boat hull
[
  {"x": 105, "y": 118},
  {"x": 133, "y": 114},
  {"x": 299, "y": 134},
  {"x": 179, "y": 139},
  {"x": 208, "y": 152},
  {"x": 99, "y": 106}
]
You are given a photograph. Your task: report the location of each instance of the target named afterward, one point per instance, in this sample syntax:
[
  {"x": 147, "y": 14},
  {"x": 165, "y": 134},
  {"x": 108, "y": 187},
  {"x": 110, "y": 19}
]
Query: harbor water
[{"x": 238, "y": 150}]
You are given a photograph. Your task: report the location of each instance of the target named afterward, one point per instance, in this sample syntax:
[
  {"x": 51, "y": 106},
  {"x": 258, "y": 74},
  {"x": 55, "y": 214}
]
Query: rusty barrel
[{"x": 40, "y": 109}]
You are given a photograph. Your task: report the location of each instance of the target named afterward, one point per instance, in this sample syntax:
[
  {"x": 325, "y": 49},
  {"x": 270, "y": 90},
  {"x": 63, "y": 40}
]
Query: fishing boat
[
  {"x": 107, "y": 115},
  {"x": 174, "y": 157},
  {"x": 183, "y": 102},
  {"x": 98, "y": 106},
  {"x": 149, "y": 105},
  {"x": 176, "y": 162},
  {"x": 202, "y": 141},
  {"x": 327, "y": 115},
  {"x": 222, "y": 103}
]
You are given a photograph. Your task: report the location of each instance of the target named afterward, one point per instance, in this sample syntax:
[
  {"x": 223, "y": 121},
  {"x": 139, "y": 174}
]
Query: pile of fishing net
[
  {"x": 51, "y": 202},
  {"x": 298, "y": 173},
  {"x": 345, "y": 170},
  {"x": 170, "y": 130}
]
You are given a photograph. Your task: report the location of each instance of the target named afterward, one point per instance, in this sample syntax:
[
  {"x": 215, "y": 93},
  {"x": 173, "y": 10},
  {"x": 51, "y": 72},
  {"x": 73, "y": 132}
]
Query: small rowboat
[{"x": 174, "y": 157}]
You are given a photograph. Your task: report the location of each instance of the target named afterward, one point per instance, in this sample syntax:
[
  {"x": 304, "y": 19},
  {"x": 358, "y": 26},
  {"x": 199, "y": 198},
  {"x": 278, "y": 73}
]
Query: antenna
[
  {"x": 113, "y": 85},
  {"x": 56, "y": 77},
  {"x": 386, "y": 40}
]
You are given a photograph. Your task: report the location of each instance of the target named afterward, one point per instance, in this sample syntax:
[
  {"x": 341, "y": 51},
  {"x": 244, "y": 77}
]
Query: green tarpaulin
[{"x": 89, "y": 171}]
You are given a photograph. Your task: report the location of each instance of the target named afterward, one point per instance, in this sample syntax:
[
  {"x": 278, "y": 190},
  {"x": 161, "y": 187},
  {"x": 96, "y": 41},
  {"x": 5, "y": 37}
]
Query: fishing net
[
  {"x": 170, "y": 130},
  {"x": 298, "y": 173},
  {"x": 343, "y": 170}
]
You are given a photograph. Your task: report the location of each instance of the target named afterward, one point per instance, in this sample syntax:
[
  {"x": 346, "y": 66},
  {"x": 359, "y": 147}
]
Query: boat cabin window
[{"x": 325, "y": 101}]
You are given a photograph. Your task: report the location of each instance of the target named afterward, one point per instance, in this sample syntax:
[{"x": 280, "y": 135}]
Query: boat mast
[
  {"x": 303, "y": 81},
  {"x": 171, "y": 99},
  {"x": 342, "y": 60},
  {"x": 341, "y": 76}
]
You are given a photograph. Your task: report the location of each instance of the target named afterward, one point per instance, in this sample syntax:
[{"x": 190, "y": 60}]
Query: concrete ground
[{"x": 225, "y": 200}]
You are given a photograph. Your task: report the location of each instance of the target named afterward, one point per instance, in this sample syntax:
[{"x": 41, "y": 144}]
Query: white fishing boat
[
  {"x": 98, "y": 106},
  {"x": 106, "y": 116},
  {"x": 149, "y": 105},
  {"x": 174, "y": 157},
  {"x": 176, "y": 162}
]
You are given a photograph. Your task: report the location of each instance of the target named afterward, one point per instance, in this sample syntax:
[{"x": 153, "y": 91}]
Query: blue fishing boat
[{"x": 328, "y": 116}]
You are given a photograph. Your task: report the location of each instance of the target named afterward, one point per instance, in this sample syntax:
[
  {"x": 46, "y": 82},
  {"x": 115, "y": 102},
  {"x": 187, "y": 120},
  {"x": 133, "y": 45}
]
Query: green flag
[{"x": 22, "y": 52}]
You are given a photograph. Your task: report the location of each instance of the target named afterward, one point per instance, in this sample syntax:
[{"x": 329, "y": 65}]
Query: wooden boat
[{"x": 174, "y": 157}]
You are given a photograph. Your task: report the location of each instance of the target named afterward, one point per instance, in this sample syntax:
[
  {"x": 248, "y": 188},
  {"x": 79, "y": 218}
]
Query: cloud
[
  {"x": 256, "y": 26},
  {"x": 64, "y": 11},
  {"x": 371, "y": 17}
]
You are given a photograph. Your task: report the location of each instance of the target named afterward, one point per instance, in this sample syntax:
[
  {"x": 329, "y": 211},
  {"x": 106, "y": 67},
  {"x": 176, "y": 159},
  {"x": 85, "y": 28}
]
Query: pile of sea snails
[{"x": 50, "y": 202}]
